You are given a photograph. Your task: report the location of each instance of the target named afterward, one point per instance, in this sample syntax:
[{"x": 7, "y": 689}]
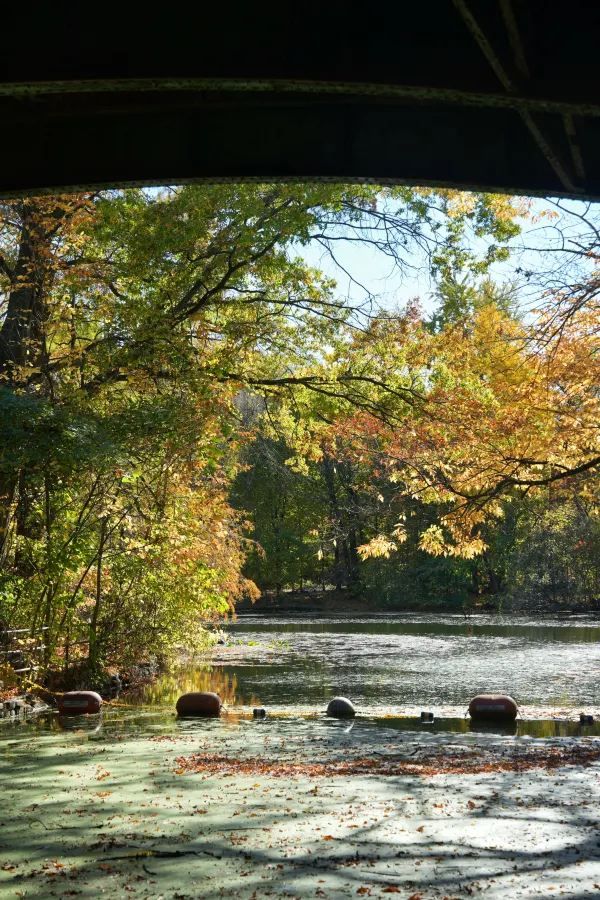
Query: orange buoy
[
  {"x": 493, "y": 706},
  {"x": 199, "y": 703},
  {"x": 79, "y": 703}
]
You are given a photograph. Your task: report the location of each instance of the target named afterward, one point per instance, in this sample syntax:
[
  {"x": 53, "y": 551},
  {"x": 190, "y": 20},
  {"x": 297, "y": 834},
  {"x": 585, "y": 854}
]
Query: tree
[
  {"x": 469, "y": 415},
  {"x": 131, "y": 320}
]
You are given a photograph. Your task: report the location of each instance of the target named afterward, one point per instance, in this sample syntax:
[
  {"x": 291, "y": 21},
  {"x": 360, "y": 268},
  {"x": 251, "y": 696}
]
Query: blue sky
[{"x": 535, "y": 250}]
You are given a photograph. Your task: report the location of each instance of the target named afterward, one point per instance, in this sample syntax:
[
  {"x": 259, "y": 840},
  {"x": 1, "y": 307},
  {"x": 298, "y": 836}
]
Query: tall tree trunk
[
  {"x": 93, "y": 629},
  {"x": 328, "y": 474},
  {"x": 22, "y": 331}
]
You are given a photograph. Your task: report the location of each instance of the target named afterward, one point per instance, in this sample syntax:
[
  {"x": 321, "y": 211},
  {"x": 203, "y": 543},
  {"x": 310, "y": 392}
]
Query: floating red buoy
[
  {"x": 493, "y": 706},
  {"x": 199, "y": 703},
  {"x": 77, "y": 703}
]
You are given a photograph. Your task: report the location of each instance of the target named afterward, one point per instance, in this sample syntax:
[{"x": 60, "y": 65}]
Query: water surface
[
  {"x": 400, "y": 664},
  {"x": 392, "y": 667}
]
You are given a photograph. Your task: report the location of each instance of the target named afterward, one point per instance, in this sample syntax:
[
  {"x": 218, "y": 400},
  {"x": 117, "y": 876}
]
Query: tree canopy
[{"x": 183, "y": 396}]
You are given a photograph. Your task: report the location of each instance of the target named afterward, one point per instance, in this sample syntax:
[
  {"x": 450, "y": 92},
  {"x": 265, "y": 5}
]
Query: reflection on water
[
  {"x": 90, "y": 724},
  {"x": 390, "y": 666},
  {"x": 192, "y": 677},
  {"x": 116, "y": 724},
  {"x": 537, "y": 728},
  {"x": 398, "y": 663}
]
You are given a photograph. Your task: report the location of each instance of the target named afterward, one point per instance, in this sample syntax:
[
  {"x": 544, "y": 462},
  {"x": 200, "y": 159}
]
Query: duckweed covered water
[{"x": 97, "y": 805}]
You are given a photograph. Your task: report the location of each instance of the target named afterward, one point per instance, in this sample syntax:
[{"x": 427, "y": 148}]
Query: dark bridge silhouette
[{"x": 496, "y": 94}]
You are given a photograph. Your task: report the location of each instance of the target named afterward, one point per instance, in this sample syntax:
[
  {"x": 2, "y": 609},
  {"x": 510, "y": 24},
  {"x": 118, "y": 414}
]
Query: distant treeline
[{"x": 543, "y": 552}]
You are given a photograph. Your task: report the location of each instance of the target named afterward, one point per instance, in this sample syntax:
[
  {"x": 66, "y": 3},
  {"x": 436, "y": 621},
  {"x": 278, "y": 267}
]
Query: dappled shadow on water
[{"x": 95, "y": 813}]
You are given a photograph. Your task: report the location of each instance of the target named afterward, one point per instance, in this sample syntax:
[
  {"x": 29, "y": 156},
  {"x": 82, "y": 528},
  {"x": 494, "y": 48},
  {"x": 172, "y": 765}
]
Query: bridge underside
[{"x": 488, "y": 94}]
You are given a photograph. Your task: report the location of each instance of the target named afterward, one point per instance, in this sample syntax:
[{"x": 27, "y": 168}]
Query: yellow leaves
[
  {"x": 400, "y": 533},
  {"x": 458, "y": 542},
  {"x": 461, "y": 203},
  {"x": 468, "y": 549},
  {"x": 432, "y": 541},
  {"x": 504, "y": 209},
  {"x": 500, "y": 407},
  {"x": 496, "y": 510},
  {"x": 507, "y": 209},
  {"x": 379, "y": 546}
]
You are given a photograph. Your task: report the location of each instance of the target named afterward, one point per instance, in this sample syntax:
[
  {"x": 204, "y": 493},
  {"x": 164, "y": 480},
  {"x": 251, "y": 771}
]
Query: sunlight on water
[
  {"x": 391, "y": 667},
  {"x": 398, "y": 664}
]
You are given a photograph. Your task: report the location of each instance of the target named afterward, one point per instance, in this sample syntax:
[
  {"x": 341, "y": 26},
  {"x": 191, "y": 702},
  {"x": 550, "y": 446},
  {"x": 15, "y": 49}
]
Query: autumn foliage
[{"x": 149, "y": 338}]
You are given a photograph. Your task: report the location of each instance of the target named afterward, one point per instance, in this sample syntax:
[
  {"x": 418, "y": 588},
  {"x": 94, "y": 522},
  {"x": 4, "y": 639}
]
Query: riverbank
[
  {"x": 18, "y": 703},
  {"x": 345, "y": 602},
  {"x": 233, "y": 808}
]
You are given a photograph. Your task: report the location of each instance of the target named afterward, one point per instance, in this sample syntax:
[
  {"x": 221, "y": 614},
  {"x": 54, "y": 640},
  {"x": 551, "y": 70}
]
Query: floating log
[
  {"x": 340, "y": 708},
  {"x": 493, "y": 706},
  {"x": 78, "y": 703},
  {"x": 199, "y": 703}
]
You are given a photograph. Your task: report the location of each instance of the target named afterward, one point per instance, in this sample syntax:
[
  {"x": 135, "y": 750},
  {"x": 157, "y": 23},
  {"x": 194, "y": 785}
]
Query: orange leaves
[
  {"x": 467, "y": 415},
  {"x": 435, "y": 764}
]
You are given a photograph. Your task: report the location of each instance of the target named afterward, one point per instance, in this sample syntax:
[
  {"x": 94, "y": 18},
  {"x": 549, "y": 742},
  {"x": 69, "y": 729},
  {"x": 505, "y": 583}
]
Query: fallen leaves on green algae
[{"x": 439, "y": 764}]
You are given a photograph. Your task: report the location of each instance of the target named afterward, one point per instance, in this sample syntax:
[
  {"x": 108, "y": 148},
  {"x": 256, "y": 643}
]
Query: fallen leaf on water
[{"x": 448, "y": 763}]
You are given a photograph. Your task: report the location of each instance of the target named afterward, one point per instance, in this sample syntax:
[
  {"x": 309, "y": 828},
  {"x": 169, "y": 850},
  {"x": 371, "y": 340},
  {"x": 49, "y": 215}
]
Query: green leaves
[{"x": 156, "y": 314}]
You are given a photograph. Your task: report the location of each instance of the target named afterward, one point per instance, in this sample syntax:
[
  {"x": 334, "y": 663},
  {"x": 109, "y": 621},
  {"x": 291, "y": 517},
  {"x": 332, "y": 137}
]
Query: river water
[
  {"x": 395, "y": 666},
  {"x": 391, "y": 666},
  {"x": 98, "y": 805}
]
